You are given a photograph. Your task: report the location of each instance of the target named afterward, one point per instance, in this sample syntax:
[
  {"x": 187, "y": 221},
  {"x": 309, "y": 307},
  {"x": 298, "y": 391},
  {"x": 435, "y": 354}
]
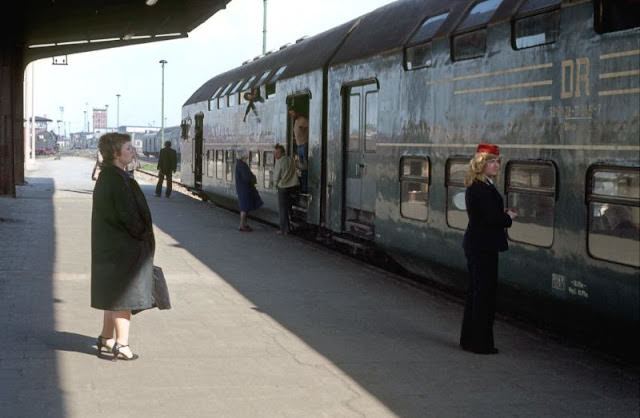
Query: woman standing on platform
[
  {"x": 122, "y": 246},
  {"x": 248, "y": 197},
  {"x": 484, "y": 238}
]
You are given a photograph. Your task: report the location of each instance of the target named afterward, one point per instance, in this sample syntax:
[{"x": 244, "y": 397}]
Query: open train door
[
  {"x": 299, "y": 101},
  {"x": 197, "y": 151},
  {"x": 360, "y": 110}
]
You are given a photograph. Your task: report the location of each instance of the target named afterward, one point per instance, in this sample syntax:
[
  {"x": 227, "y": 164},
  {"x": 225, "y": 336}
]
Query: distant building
[{"x": 99, "y": 121}]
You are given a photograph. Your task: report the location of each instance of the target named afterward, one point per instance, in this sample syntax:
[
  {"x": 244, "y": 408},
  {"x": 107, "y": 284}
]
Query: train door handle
[{"x": 359, "y": 166}]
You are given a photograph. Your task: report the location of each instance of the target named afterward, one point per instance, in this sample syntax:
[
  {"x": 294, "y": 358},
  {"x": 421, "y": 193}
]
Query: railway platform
[{"x": 261, "y": 326}]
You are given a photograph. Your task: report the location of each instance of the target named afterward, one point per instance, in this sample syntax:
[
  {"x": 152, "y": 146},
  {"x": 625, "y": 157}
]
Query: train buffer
[{"x": 261, "y": 325}]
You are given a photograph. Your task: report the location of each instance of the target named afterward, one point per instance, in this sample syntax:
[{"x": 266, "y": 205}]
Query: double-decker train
[{"x": 397, "y": 101}]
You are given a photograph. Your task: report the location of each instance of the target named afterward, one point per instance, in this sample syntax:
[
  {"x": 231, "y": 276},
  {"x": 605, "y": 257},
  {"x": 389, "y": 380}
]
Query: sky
[{"x": 231, "y": 36}]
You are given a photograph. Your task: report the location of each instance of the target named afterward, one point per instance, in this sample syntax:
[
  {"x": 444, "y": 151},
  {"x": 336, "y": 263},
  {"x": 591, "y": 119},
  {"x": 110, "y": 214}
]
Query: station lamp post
[
  {"x": 118, "y": 113},
  {"x": 163, "y": 62}
]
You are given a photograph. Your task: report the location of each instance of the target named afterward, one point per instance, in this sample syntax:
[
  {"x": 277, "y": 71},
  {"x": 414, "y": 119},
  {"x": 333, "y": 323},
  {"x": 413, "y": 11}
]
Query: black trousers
[
  {"x": 480, "y": 306},
  {"x": 161, "y": 177},
  {"x": 286, "y": 197}
]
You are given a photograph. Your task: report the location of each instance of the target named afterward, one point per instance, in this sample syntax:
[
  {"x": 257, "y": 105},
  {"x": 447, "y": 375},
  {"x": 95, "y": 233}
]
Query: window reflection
[
  {"x": 614, "y": 215},
  {"x": 531, "y": 190},
  {"x": 414, "y": 179}
]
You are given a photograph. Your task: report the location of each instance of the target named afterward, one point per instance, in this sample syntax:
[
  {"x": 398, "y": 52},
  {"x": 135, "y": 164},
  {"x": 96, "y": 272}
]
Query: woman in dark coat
[
  {"x": 248, "y": 197},
  {"x": 484, "y": 238},
  {"x": 122, "y": 246}
]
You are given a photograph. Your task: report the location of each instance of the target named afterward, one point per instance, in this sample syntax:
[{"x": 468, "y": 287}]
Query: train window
[
  {"x": 615, "y": 15},
  {"x": 219, "y": 163},
  {"x": 221, "y": 97},
  {"x": 210, "y": 163},
  {"x": 414, "y": 184},
  {"x": 235, "y": 88},
  {"x": 277, "y": 74},
  {"x": 270, "y": 90},
  {"x": 248, "y": 83},
  {"x": 230, "y": 162},
  {"x": 268, "y": 162},
  {"x": 541, "y": 28},
  {"x": 263, "y": 78},
  {"x": 456, "y": 171},
  {"x": 354, "y": 123},
  {"x": 214, "y": 97},
  {"x": 271, "y": 84},
  {"x": 469, "y": 45},
  {"x": 479, "y": 15},
  {"x": 613, "y": 197},
  {"x": 254, "y": 158},
  {"x": 371, "y": 121},
  {"x": 418, "y": 56},
  {"x": 418, "y": 51},
  {"x": 531, "y": 189}
]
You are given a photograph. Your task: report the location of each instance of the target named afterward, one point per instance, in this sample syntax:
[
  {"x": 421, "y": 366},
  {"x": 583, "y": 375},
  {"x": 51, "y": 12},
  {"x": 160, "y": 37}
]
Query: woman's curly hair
[
  {"x": 476, "y": 167},
  {"x": 110, "y": 144}
]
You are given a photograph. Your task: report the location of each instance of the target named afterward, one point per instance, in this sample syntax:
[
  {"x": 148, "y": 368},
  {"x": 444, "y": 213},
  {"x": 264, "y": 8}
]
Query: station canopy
[{"x": 51, "y": 27}]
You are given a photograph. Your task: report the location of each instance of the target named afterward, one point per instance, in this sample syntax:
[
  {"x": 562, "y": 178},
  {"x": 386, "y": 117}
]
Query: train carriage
[{"x": 398, "y": 100}]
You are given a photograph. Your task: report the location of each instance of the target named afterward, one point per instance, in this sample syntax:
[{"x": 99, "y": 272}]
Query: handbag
[{"x": 160, "y": 292}]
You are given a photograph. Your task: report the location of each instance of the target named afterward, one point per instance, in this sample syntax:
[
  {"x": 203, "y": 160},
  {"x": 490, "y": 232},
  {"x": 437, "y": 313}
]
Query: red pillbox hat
[{"x": 490, "y": 148}]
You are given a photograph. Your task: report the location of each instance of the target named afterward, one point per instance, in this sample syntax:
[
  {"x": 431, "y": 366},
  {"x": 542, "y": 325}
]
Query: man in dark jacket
[{"x": 167, "y": 165}]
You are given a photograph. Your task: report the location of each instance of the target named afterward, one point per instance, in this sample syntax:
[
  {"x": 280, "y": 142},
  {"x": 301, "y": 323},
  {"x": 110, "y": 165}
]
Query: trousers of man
[
  {"x": 285, "y": 201},
  {"x": 161, "y": 177}
]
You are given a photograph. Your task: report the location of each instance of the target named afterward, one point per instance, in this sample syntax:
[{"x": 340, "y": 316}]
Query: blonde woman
[
  {"x": 484, "y": 238},
  {"x": 122, "y": 247}
]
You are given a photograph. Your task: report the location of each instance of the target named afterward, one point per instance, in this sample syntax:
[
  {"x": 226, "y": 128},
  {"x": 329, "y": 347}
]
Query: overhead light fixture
[{"x": 151, "y": 2}]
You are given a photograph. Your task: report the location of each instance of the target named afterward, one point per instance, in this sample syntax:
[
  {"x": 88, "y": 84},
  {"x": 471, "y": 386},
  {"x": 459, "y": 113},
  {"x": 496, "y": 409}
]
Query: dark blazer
[
  {"x": 168, "y": 161},
  {"x": 122, "y": 244},
  {"x": 487, "y": 220}
]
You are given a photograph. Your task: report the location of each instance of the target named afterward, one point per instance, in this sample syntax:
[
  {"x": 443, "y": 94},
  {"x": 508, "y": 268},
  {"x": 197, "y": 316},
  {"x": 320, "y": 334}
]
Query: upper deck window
[
  {"x": 418, "y": 53},
  {"x": 214, "y": 96},
  {"x": 469, "y": 43},
  {"x": 271, "y": 84},
  {"x": 537, "y": 23},
  {"x": 479, "y": 15},
  {"x": 236, "y": 88},
  {"x": 249, "y": 83},
  {"x": 263, "y": 77},
  {"x": 615, "y": 15}
]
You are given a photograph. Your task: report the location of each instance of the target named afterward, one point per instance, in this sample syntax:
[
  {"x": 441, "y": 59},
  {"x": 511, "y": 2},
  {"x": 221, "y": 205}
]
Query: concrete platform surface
[{"x": 261, "y": 326}]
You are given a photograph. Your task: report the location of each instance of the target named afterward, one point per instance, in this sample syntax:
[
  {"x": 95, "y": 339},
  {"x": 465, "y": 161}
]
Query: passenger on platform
[
  {"x": 484, "y": 238},
  {"x": 96, "y": 167},
  {"x": 248, "y": 197},
  {"x": 252, "y": 97},
  {"x": 301, "y": 136},
  {"x": 122, "y": 247},
  {"x": 287, "y": 183},
  {"x": 134, "y": 164},
  {"x": 167, "y": 165}
]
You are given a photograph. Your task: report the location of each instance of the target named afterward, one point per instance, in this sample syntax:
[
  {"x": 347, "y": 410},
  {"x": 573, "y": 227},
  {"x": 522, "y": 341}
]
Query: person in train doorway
[
  {"x": 287, "y": 183},
  {"x": 167, "y": 165},
  {"x": 484, "y": 238},
  {"x": 301, "y": 136}
]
